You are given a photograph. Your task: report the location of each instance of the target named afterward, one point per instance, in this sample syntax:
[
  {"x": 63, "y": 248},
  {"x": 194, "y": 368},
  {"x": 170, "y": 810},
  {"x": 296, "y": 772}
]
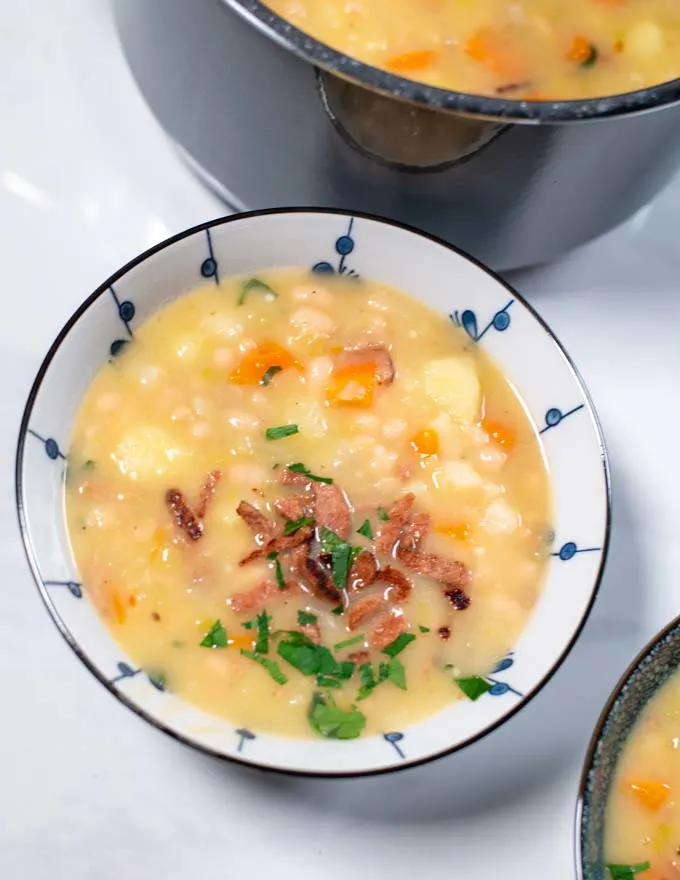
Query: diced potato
[
  {"x": 499, "y": 518},
  {"x": 453, "y": 384},
  {"x": 643, "y": 40},
  {"x": 145, "y": 453},
  {"x": 461, "y": 475},
  {"x": 308, "y": 415}
]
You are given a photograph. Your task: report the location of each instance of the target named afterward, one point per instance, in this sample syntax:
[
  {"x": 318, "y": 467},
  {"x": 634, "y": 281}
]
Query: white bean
[
  {"x": 394, "y": 428},
  {"x": 312, "y": 322}
]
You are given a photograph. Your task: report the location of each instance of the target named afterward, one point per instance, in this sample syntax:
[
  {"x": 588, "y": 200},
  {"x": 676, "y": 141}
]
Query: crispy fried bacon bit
[
  {"x": 262, "y": 594},
  {"x": 447, "y": 571},
  {"x": 287, "y": 477},
  {"x": 317, "y": 578},
  {"x": 312, "y": 631},
  {"x": 388, "y": 627},
  {"x": 415, "y": 531},
  {"x": 207, "y": 493},
  {"x": 280, "y": 544},
  {"x": 458, "y": 598},
  {"x": 359, "y": 657},
  {"x": 377, "y": 355},
  {"x": 390, "y": 529},
  {"x": 444, "y": 633},
  {"x": 293, "y": 507},
  {"x": 332, "y": 510},
  {"x": 400, "y": 586},
  {"x": 183, "y": 514},
  {"x": 363, "y": 572},
  {"x": 362, "y": 609},
  {"x": 264, "y": 530}
]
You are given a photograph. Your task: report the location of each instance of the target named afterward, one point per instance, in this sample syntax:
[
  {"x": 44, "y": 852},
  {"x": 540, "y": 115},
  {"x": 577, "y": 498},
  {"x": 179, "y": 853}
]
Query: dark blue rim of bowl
[
  {"x": 646, "y": 654},
  {"x": 32, "y": 561},
  {"x": 502, "y": 109}
]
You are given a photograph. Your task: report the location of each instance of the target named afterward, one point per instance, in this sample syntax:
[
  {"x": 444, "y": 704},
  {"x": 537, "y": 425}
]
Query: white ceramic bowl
[{"x": 490, "y": 312}]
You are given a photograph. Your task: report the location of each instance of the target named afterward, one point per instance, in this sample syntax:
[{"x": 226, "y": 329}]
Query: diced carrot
[
  {"x": 132, "y": 600},
  {"x": 425, "y": 442},
  {"x": 242, "y": 642},
  {"x": 618, "y": 45},
  {"x": 649, "y": 792},
  {"x": 456, "y": 529},
  {"x": 258, "y": 360},
  {"x": 580, "y": 50},
  {"x": 410, "y": 61},
  {"x": 501, "y": 434},
  {"x": 488, "y": 47},
  {"x": 352, "y": 386},
  {"x": 118, "y": 606}
]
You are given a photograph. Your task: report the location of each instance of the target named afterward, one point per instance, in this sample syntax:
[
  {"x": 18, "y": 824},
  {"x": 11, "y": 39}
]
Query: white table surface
[{"x": 87, "y": 790}]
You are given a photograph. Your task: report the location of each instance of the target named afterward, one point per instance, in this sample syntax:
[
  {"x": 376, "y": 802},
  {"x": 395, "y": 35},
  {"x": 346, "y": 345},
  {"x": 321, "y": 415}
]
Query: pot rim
[{"x": 321, "y": 55}]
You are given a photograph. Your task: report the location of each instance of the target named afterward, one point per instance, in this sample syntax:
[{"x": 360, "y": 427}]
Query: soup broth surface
[
  {"x": 530, "y": 50},
  {"x": 309, "y": 505},
  {"x": 642, "y": 827}
]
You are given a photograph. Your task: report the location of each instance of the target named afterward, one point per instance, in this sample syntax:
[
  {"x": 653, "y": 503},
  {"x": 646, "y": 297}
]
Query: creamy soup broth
[
  {"x": 535, "y": 49},
  {"x": 173, "y": 481},
  {"x": 642, "y": 828}
]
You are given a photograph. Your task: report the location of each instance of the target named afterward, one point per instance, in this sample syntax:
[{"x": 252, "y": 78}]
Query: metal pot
[{"x": 271, "y": 117}]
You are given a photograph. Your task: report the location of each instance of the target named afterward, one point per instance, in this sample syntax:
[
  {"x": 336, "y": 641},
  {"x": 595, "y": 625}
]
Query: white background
[{"x": 87, "y": 790}]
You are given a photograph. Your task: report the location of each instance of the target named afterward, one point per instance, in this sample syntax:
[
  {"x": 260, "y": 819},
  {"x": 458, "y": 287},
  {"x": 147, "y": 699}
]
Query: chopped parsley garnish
[
  {"x": 263, "y": 633},
  {"x": 366, "y": 530},
  {"x": 280, "y": 432},
  {"x": 256, "y": 284},
  {"x": 280, "y": 580},
  {"x": 328, "y": 682},
  {"x": 330, "y": 721},
  {"x": 398, "y": 645},
  {"x": 338, "y": 610},
  {"x": 591, "y": 58},
  {"x": 383, "y": 514},
  {"x": 269, "y": 375},
  {"x": 293, "y": 526},
  {"x": 271, "y": 666},
  {"x": 305, "y": 618},
  {"x": 89, "y": 465},
  {"x": 473, "y": 687},
  {"x": 367, "y": 680},
  {"x": 621, "y": 872},
  {"x": 312, "y": 659},
  {"x": 299, "y": 468},
  {"x": 392, "y": 671},
  {"x": 216, "y": 637},
  {"x": 353, "y": 641},
  {"x": 342, "y": 556},
  {"x": 396, "y": 673},
  {"x": 424, "y": 629}
]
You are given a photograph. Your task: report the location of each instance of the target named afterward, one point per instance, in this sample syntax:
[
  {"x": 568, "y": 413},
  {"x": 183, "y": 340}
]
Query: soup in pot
[
  {"x": 309, "y": 505},
  {"x": 642, "y": 826},
  {"x": 542, "y": 50}
]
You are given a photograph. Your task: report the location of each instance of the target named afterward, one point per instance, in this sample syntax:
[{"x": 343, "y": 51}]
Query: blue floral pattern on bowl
[{"x": 450, "y": 283}]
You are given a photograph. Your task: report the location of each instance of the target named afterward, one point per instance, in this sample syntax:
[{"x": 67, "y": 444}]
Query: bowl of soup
[
  {"x": 313, "y": 491},
  {"x": 628, "y": 817}
]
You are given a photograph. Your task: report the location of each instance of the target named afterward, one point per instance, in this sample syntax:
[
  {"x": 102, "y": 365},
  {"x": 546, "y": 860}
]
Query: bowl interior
[
  {"x": 490, "y": 313},
  {"x": 639, "y": 684}
]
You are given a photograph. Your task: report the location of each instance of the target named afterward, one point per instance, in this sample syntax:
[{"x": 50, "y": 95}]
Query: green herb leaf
[
  {"x": 473, "y": 687},
  {"x": 262, "y": 644},
  {"x": 338, "y": 610},
  {"x": 328, "y": 682},
  {"x": 299, "y": 468},
  {"x": 366, "y": 530},
  {"x": 269, "y": 375},
  {"x": 396, "y": 673},
  {"x": 345, "y": 670},
  {"x": 328, "y": 720},
  {"x": 255, "y": 284},
  {"x": 383, "y": 514},
  {"x": 329, "y": 540},
  {"x": 89, "y": 465},
  {"x": 340, "y": 565},
  {"x": 216, "y": 637},
  {"x": 280, "y": 432},
  {"x": 398, "y": 645},
  {"x": 592, "y": 57},
  {"x": 424, "y": 629},
  {"x": 621, "y": 872},
  {"x": 367, "y": 680},
  {"x": 303, "y": 657},
  {"x": 271, "y": 666},
  {"x": 353, "y": 641},
  {"x": 293, "y": 526},
  {"x": 280, "y": 580},
  {"x": 304, "y": 618}
]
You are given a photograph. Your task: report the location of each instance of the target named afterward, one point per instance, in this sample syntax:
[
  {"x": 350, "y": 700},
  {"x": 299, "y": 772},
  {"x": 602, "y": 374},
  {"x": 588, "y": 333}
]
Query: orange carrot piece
[
  {"x": 650, "y": 793},
  {"x": 119, "y": 611},
  {"x": 488, "y": 47},
  {"x": 352, "y": 386},
  {"x": 458, "y": 530},
  {"x": 580, "y": 50},
  {"x": 258, "y": 360},
  {"x": 502, "y": 435},
  {"x": 410, "y": 61},
  {"x": 242, "y": 642},
  {"x": 425, "y": 442},
  {"x": 132, "y": 600}
]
